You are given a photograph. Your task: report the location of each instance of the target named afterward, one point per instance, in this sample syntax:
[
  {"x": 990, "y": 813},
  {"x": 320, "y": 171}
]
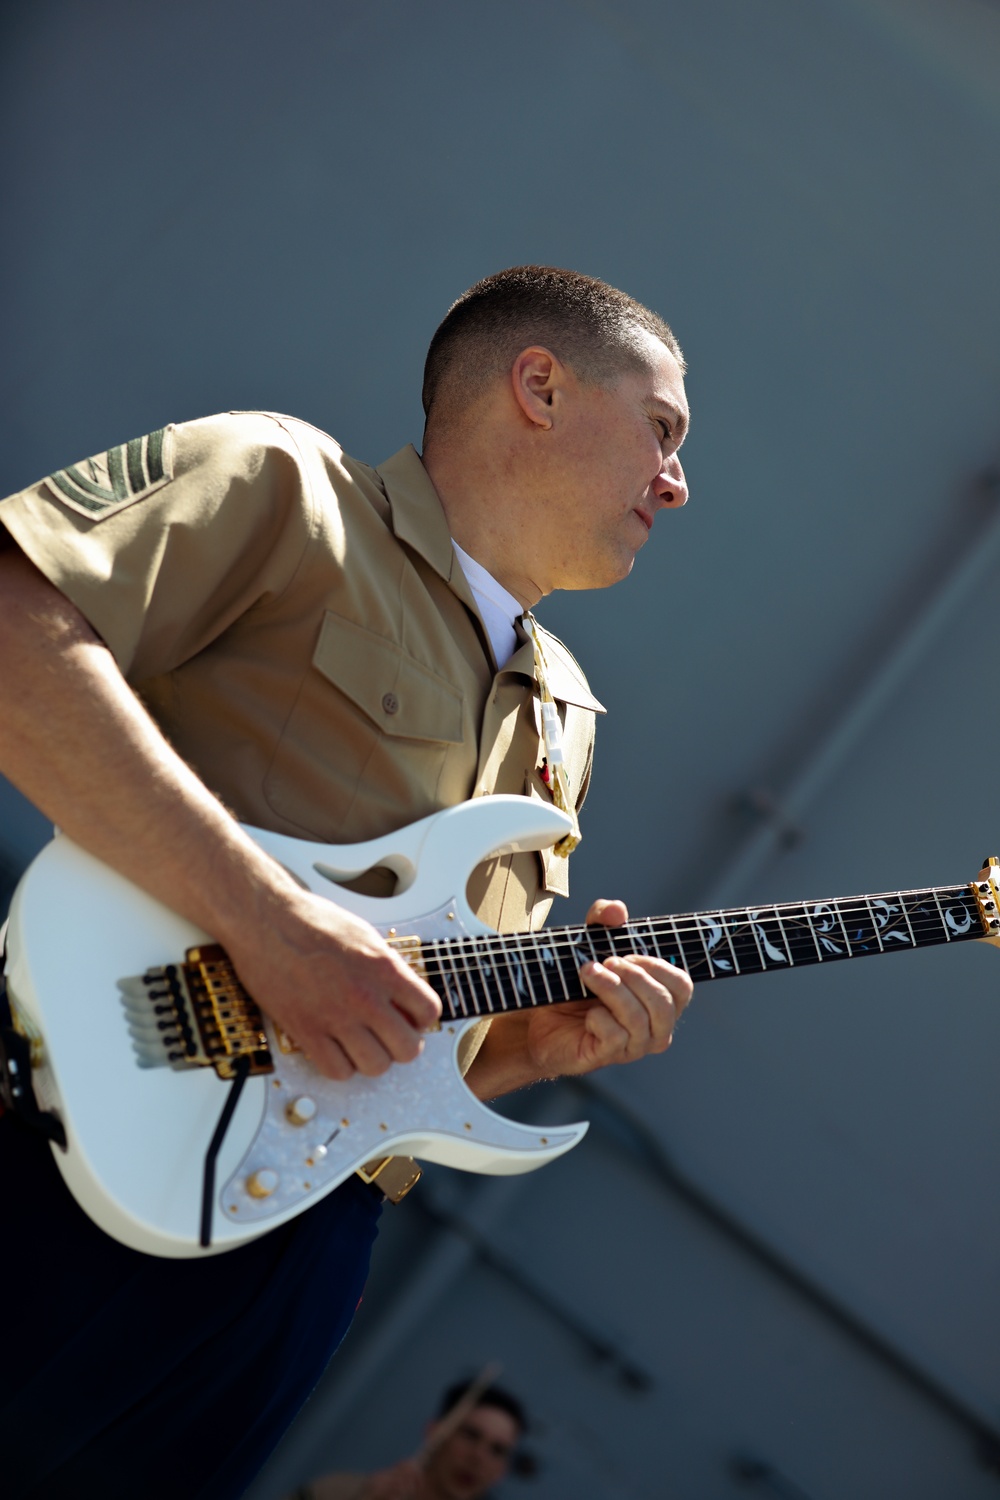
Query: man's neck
[{"x": 488, "y": 531}]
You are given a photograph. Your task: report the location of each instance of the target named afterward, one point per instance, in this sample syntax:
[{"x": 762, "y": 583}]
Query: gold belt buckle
[{"x": 393, "y": 1175}]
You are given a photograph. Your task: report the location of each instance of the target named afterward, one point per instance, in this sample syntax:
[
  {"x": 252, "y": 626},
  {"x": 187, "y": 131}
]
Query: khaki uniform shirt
[{"x": 299, "y": 626}]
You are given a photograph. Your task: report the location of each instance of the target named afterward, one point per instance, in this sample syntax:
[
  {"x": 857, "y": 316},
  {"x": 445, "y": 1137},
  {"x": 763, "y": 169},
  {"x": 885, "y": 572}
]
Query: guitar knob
[
  {"x": 263, "y": 1183},
  {"x": 301, "y": 1110}
]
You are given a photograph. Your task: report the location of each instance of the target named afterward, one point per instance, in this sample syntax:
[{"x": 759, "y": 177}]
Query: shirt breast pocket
[{"x": 366, "y": 743}]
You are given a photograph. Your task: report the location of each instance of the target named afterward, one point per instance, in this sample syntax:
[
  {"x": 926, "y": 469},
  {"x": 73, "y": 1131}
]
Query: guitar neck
[{"x": 488, "y": 975}]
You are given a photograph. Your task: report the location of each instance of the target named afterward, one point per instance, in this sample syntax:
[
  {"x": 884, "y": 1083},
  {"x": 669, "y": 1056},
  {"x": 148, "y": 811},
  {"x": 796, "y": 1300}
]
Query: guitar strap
[{"x": 17, "y": 1095}]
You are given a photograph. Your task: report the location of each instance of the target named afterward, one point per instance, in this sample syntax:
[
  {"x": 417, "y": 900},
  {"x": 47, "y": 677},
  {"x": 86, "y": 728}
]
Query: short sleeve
[{"x": 164, "y": 541}]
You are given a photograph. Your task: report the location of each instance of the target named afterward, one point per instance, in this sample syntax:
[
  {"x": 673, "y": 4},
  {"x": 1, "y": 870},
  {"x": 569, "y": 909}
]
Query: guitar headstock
[{"x": 986, "y": 889}]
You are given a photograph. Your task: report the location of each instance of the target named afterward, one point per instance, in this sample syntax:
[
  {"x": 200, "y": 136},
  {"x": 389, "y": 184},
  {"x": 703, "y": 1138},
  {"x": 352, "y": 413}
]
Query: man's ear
[{"x": 536, "y": 375}]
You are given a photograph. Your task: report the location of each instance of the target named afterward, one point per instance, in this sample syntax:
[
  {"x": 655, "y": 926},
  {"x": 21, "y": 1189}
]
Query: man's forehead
[
  {"x": 493, "y": 1420},
  {"x": 662, "y": 365}
]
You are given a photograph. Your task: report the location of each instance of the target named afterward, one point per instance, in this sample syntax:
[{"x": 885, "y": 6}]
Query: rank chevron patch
[{"x": 110, "y": 481}]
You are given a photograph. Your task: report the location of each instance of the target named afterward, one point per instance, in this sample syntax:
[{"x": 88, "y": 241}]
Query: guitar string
[
  {"x": 482, "y": 957},
  {"x": 492, "y": 974},
  {"x": 844, "y": 906},
  {"x": 573, "y": 939},
  {"x": 732, "y": 920},
  {"x": 469, "y": 992}
]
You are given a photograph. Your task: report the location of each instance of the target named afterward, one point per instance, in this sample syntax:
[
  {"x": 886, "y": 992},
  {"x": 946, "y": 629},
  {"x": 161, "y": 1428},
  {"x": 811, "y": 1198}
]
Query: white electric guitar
[{"x": 185, "y": 1123}]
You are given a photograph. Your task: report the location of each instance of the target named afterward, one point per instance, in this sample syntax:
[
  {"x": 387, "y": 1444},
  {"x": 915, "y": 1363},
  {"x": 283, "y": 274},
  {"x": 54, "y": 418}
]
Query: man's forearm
[
  {"x": 77, "y": 742},
  {"x": 80, "y": 745},
  {"x": 503, "y": 1063}
]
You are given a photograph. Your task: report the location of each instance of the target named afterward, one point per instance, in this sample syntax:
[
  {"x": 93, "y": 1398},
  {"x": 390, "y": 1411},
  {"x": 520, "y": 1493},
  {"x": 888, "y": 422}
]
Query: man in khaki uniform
[{"x": 232, "y": 617}]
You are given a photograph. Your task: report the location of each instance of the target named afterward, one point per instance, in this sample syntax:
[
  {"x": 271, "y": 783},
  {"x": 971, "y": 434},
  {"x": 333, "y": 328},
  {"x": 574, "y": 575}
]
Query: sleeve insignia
[{"x": 108, "y": 482}]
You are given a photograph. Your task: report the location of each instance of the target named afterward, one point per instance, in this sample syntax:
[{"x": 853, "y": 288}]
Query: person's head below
[
  {"x": 555, "y": 406},
  {"x": 465, "y": 1459}
]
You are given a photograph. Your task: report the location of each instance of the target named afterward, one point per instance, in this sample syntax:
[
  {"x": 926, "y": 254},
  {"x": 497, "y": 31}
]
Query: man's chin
[{"x": 611, "y": 572}]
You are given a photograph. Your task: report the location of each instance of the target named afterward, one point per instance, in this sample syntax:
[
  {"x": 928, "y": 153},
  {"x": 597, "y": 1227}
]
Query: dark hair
[
  {"x": 494, "y": 1395},
  {"x": 589, "y": 325}
]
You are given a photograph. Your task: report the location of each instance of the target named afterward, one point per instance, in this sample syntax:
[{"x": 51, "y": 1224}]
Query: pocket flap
[{"x": 400, "y": 695}]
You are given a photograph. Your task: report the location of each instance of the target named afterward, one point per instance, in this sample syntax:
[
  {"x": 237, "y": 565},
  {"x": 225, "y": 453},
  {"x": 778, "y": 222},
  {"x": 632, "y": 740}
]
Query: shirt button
[{"x": 390, "y": 703}]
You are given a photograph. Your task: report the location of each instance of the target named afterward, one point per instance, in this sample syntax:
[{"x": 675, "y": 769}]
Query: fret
[
  {"x": 628, "y": 939},
  {"x": 840, "y": 918},
  {"x": 453, "y": 991},
  {"x": 500, "y": 976},
  {"x": 906, "y": 919},
  {"x": 829, "y": 930},
  {"x": 745, "y": 944},
  {"x": 924, "y": 917},
  {"x": 944, "y": 924},
  {"x": 537, "y": 983},
  {"x": 800, "y": 940},
  {"x": 861, "y": 931},
  {"x": 541, "y": 993},
  {"x": 486, "y": 983},
  {"x": 875, "y": 925},
  {"x": 653, "y": 940},
  {"x": 600, "y": 941},
  {"x": 770, "y": 936},
  {"x": 784, "y": 935},
  {"x": 491, "y": 974},
  {"x": 551, "y": 967},
  {"x": 694, "y": 954},
  {"x": 435, "y": 974},
  {"x": 960, "y": 914},
  {"x": 696, "y": 922},
  {"x": 752, "y": 928},
  {"x": 519, "y": 978},
  {"x": 721, "y": 960},
  {"x": 510, "y": 994},
  {"x": 672, "y": 951},
  {"x": 578, "y": 952},
  {"x": 892, "y": 926}
]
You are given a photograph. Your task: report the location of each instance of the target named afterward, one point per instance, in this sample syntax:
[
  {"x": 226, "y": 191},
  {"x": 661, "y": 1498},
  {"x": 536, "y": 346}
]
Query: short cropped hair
[
  {"x": 493, "y": 1395},
  {"x": 589, "y": 325}
]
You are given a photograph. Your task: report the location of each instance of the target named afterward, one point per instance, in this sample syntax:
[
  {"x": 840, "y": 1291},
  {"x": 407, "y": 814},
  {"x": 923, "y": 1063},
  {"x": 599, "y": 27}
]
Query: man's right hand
[{"x": 333, "y": 983}]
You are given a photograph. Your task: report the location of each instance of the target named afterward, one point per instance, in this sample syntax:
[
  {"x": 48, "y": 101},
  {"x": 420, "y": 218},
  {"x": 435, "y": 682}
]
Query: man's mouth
[{"x": 644, "y": 517}]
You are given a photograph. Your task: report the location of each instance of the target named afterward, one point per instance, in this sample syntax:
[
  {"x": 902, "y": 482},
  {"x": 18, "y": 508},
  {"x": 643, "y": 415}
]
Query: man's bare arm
[{"x": 76, "y": 740}]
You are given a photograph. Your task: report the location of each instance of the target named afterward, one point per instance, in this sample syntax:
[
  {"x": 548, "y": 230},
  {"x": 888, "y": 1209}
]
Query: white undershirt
[{"x": 498, "y": 609}]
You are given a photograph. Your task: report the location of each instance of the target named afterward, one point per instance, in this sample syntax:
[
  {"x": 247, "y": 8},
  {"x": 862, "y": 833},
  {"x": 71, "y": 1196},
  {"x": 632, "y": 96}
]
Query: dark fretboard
[{"x": 487, "y": 975}]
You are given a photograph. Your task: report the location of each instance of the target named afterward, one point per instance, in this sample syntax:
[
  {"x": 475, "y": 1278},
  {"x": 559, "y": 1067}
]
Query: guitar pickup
[{"x": 195, "y": 1014}]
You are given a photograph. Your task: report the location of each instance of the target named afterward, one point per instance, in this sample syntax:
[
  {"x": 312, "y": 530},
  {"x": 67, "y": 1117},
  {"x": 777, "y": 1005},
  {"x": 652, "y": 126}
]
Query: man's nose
[{"x": 670, "y": 486}]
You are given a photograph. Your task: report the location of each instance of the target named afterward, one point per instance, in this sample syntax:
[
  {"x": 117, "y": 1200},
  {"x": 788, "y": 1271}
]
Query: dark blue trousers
[{"x": 122, "y": 1374}]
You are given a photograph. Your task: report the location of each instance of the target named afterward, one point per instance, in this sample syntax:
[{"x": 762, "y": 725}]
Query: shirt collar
[{"x": 418, "y": 517}]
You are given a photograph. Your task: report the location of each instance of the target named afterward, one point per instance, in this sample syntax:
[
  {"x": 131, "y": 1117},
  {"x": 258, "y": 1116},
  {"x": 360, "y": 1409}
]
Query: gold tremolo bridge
[{"x": 197, "y": 1014}]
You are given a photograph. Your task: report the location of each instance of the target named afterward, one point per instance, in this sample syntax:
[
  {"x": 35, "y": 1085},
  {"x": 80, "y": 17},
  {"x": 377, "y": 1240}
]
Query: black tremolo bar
[{"x": 489, "y": 975}]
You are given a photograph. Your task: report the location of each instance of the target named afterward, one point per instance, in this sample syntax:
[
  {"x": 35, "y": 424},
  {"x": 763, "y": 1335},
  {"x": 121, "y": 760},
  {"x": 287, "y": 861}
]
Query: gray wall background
[{"x": 785, "y": 1235}]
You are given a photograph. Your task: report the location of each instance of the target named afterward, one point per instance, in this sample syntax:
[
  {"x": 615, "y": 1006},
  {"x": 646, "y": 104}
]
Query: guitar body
[{"x": 137, "y": 1136}]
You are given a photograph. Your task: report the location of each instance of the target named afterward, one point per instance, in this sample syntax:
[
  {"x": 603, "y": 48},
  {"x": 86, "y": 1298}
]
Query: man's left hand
[{"x": 637, "y": 1000}]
